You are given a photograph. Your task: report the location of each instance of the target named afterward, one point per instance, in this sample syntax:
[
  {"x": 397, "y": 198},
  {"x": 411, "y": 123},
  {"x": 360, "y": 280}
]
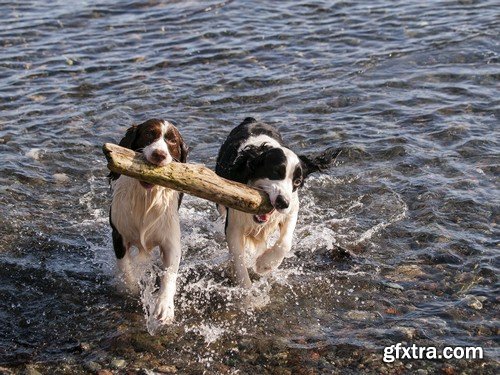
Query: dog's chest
[
  {"x": 261, "y": 232},
  {"x": 140, "y": 215}
]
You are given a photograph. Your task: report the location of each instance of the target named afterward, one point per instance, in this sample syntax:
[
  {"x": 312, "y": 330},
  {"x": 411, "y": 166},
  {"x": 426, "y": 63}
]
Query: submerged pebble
[
  {"x": 61, "y": 178},
  {"x": 31, "y": 370},
  {"x": 409, "y": 332},
  {"x": 33, "y": 153},
  {"x": 93, "y": 366},
  {"x": 473, "y": 301},
  {"x": 392, "y": 285},
  {"x": 118, "y": 363},
  {"x": 362, "y": 315},
  {"x": 407, "y": 273},
  {"x": 167, "y": 369}
]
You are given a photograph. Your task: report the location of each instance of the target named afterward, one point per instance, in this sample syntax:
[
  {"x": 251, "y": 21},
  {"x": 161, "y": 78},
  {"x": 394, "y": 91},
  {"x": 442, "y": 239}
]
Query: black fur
[
  {"x": 239, "y": 167},
  {"x": 184, "y": 152},
  {"x": 319, "y": 162},
  {"x": 117, "y": 240},
  {"x": 265, "y": 161}
]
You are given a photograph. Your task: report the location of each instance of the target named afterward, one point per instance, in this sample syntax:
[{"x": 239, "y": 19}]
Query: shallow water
[{"x": 409, "y": 90}]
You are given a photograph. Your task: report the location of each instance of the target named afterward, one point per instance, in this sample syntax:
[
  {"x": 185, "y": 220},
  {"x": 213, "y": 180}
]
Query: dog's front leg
[
  {"x": 171, "y": 257},
  {"x": 236, "y": 243},
  {"x": 122, "y": 252},
  {"x": 272, "y": 257}
]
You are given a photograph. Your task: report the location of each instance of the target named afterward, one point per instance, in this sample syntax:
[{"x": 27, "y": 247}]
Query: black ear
[
  {"x": 248, "y": 120},
  {"x": 128, "y": 140},
  {"x": 255, "y": 162},
  {"x": 245, "y": 164},
  {"x": 319, "y": 162},
  {"x": 241, "y": 169}
]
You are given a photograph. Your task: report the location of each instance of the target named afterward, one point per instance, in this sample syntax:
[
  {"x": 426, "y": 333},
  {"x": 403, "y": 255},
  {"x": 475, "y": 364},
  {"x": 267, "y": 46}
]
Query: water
[{"x": 408, "y": 89}]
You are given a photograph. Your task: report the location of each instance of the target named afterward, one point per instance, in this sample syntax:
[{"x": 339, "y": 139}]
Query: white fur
[
  {"x": 146, "y": 219},
  {"x": 243, "y": 233},
  {"x": 274, "y": 187},
  {"x": 159, "y": 145},
  {"x": 284, "y": 187}
]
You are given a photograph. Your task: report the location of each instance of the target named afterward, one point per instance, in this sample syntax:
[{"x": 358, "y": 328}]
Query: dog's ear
[
  {"x": 319, "y": 162},
  {"x": 183, "y": 147},
  {"x": 130, "y": 135},
  {"x": 245, "y": 164},
  {"x": 241, "y": 168},
  {"x": 248, "y": 120},
  {"x": 184, "y": 151},
  {"x": 126, "y": 142}
]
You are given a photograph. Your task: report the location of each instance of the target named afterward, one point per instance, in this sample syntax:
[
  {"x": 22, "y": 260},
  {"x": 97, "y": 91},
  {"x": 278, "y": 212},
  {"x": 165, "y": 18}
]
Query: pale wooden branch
[{"x": 188, "y": 178}]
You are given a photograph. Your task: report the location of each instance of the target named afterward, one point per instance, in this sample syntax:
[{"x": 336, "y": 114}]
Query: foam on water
[
  {"x": 34, "y": 153},
  {"x": 210, "y": 332}
]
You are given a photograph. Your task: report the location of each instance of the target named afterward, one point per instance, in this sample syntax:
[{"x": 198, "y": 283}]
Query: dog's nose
[
  {"x": 158, "y": 156},
  {"x": 281, "y": 203}
]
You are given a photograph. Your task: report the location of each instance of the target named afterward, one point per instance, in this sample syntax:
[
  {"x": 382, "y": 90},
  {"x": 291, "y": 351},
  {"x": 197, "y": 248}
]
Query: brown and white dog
[{"x": 145, "y": 215}]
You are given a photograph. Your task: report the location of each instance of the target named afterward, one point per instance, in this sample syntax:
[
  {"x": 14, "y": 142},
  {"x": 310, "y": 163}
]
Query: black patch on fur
[
  {"x": 184, "y": 151},
  {"x": 234, "y": 166},
  {"x": 319, "y": 162},
  {"x": 255, "y": 162},
  {"x": 269, "y": 164},
  {"x": 127, "y": 141},
  {"x": 227, "y": 221},
  {"x": 261, "y": 161},
  {"x": 120, "y": 250}
]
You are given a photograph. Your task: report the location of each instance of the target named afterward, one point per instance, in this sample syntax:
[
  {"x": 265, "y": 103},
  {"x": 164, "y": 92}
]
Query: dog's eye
[
  {"x": 297, "y": 182},
  {"x": 172, "y": 141}
]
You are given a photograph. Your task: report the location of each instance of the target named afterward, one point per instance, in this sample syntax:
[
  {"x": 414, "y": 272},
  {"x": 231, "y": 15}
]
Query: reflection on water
[{"x": 397, "y": 243}]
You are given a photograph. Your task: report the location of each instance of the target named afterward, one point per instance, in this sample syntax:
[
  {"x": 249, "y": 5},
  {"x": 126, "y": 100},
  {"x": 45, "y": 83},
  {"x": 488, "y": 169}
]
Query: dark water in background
[{"x": 409, "y": 89}]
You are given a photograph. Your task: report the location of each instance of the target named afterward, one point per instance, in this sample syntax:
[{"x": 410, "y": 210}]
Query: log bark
[{"x": 188, "y": 178}]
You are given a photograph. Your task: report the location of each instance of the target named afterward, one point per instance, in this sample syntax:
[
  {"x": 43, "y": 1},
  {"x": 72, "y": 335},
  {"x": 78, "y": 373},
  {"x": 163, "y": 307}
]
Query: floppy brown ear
[
  {"x": 127, "y": 142},
  {"x": 319, "y": 162},
  {"x": 183, "y": 147},
  {"x": 130, "y": 135},
  {"x": 184, "y": 151}
]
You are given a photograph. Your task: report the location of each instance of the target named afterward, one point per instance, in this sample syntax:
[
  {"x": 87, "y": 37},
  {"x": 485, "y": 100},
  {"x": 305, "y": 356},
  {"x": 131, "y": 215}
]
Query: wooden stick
[{"x": 192, "y": 179}]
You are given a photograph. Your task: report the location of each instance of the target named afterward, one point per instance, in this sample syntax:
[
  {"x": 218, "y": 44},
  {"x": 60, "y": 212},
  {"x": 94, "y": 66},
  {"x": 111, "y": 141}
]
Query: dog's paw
[
  {"x": 164, "y": 312},
  {"x": 269, "y": 260}
]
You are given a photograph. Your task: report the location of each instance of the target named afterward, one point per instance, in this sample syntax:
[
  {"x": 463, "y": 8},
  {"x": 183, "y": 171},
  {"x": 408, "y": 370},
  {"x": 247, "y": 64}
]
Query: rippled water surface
[{"x": 397, "y": 243}]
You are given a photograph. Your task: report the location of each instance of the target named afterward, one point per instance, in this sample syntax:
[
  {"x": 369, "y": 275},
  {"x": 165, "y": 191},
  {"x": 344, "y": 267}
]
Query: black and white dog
[
  {"x": 254, "y": 154},
  {"x": 145, "y": 215}
]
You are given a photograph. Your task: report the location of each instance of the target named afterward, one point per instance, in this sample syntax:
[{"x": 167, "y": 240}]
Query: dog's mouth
[
  {"x": 146, "y": 185},
  {"x": 264, "y": 218}
]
